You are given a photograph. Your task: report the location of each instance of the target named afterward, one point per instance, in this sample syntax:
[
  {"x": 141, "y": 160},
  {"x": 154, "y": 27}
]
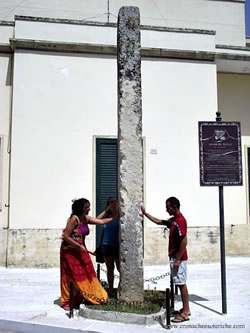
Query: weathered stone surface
[
  {"x": 130, "y": 172},
  {"x": 3, "y": 242},
  {"x": 34, "y": 247}
]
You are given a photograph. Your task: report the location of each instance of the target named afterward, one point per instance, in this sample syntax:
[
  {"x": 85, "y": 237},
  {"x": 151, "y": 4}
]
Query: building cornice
[
  {"x": 5, "y": 48},
  {"x": 232, "y": 47},
  {"x": 111, "y": 25},
  {"x": 42, "y": 45},
  {"x": 233, "y": 59},
  {"x": 7, "y": 23}
]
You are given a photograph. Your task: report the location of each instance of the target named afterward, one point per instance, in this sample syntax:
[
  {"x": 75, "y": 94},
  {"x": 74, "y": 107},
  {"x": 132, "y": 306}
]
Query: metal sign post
[
  {"x": 222, "y": 242},
  {"x": 222, "y": 252},
  {"x": 220, "y": 165}
]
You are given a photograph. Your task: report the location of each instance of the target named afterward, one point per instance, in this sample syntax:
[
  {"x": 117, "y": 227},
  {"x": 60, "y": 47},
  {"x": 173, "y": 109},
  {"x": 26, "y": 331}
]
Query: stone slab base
[{"x": 123, "y": 317}]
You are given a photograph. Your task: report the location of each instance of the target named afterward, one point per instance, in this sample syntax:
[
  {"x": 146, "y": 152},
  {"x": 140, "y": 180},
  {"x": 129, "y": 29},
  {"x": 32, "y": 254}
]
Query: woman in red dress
[{"x": 75, "y": 262}]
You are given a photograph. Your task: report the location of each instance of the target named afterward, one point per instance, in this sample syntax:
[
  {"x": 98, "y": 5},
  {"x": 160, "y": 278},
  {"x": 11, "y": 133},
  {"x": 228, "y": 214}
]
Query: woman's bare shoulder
[{"x": 74, "y": 219}]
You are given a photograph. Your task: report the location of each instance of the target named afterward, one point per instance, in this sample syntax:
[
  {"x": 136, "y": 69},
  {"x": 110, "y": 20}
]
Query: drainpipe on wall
[{"x": 9, "y": 153}]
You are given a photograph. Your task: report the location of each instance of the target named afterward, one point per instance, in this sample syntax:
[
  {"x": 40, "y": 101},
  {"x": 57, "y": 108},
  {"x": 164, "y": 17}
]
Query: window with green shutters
[{"x": 106, "y": 175}]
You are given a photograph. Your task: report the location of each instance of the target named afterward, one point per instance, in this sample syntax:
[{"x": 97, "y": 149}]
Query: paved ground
[{"x": 30, "y": 301}]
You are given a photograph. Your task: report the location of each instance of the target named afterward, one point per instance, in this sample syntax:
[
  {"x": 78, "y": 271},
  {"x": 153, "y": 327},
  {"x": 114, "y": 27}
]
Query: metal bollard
[
  {"x": 71, "y": 314},
  {"x": 172, "y": 292},
  {"x": 98, "y": 272},
  {"x": 167, "y": 308}
]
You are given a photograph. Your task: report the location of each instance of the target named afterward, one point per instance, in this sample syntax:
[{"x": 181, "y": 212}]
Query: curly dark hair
[{"x": 77, "y": 207}]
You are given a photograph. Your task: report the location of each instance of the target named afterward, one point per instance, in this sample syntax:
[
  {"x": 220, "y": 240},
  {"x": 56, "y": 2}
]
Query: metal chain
[
  {"x": 94, "y": 298},
  {"x": 116, "y": 302},
  {"x": 159, "y": 277},
  {"x": 104, "y": 301},
  {"x": 84, "y": 293}
]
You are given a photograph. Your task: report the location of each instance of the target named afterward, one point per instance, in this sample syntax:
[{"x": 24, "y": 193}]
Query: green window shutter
[{"x": 106, "y": 175}]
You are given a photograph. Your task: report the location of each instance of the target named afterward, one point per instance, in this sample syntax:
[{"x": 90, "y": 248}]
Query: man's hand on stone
[{"x": 143, "y": 209}]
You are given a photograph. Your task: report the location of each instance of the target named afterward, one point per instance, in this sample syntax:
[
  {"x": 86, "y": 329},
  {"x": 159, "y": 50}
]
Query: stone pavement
[{"x": 30, "y": 301}]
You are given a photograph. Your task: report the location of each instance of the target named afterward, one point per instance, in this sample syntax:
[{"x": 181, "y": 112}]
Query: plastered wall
[
  {"x": 234, "y": 104},
  {"x": 41, "y": 247}
]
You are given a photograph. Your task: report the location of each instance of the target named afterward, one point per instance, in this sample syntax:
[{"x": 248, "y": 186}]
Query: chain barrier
[
  {"x": 85, "y": 294},
  {"x": 104, "y": 301},
  {"x": 159, "y": 277},
  {"x": 148, "y": 305},
  {"x": 94, "y": 298}
]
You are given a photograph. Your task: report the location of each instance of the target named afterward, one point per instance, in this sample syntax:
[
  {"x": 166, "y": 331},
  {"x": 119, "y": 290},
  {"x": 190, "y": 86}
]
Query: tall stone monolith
[{"x": 130, "y": 167}]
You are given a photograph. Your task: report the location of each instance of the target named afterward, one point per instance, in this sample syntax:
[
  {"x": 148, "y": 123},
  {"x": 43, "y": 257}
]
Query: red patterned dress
[{"x": 76, "y": 266}]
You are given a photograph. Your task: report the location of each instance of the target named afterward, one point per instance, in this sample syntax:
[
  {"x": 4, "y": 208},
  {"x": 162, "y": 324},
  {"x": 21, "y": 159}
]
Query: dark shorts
[{"x": 110, "y": 251}]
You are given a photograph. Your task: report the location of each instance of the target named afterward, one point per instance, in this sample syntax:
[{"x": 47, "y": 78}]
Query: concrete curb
[
  {"x": 123, "y": 317},
  {"x": 12, "y": 326}
]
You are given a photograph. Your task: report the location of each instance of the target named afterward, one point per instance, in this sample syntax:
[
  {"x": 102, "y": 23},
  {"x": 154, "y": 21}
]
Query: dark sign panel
[{"x": 220, "y": 153}]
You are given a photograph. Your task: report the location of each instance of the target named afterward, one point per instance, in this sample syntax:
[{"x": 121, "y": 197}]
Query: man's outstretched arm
[{"x": 150, "y": 217}]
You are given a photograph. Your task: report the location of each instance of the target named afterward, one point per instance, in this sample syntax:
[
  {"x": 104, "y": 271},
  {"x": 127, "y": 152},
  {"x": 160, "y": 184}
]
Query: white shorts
[{"x": 179, "y": 275}]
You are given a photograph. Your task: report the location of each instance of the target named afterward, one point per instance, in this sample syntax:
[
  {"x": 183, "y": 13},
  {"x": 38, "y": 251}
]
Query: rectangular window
[{"x": 106, "y": 175}]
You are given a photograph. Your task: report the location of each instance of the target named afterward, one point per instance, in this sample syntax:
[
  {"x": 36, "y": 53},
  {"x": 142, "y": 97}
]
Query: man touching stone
[{"x": 177, "y": 251}]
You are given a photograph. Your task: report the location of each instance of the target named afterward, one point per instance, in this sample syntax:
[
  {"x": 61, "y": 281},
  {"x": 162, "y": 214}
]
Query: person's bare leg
[
  {"x": 110, "y": 272},
  {"x": 184, "y": 297},
  {"x": 117, "y": 262},
  {"x": 185, "y": 311}
]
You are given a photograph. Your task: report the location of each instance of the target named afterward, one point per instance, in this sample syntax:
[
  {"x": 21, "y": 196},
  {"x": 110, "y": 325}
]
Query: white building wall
[
  {"x": 59, "y": 103},
  {"x": 7, "y": 32},
  {"x": 176, "y": 95},
  {"x": 226, "y": 17},
  {"x": 104, "y": 35},
  {"x": 234, "y": 104}
]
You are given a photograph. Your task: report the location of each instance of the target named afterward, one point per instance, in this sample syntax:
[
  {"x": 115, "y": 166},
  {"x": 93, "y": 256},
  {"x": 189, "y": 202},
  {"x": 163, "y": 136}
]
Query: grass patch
[{"x": 153, "y": 302}]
